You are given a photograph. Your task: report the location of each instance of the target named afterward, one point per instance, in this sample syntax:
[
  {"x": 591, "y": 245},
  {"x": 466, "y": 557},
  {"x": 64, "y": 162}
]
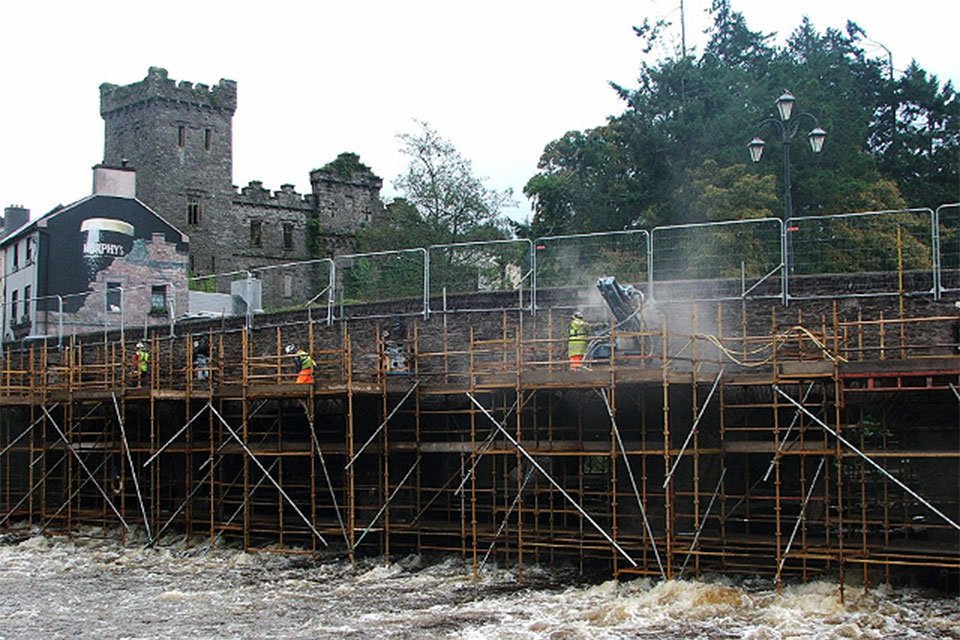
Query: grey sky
[{"x": 498, "y": 79}]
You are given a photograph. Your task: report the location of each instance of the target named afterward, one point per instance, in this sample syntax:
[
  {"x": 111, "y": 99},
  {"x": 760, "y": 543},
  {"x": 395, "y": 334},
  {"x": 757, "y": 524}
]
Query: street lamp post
[{"x": 788, "y": 124}]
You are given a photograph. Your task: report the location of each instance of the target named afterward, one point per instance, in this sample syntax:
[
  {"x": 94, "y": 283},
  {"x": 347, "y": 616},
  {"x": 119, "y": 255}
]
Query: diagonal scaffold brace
[
  {"x": 199, "y": 485},
  {"x": 210, "y": 459},
  {"x": 796, "y": 525},
  {"x": 633, "y": 482},
  {"x": 555, "y": 484},
  {"x": 33, "y": 490},
  {"x": 823, "y": 425},
  {"x": 488, "y": 442},
  {"x": 25, "y": 432},
  {"x": 133, "y": 470},
  {"x": 506, "y": 518},
  {"x": 256, "y": 461},
  {"x": 81, "y": 485},
  {"x": 386, "y": 504},
  {"x": 83, "y": 465},
  {"x": 174, "y": 436},
  {"x": 706, "y": 514},
  {"x": 239, "y": 509},
  {"x": 696, "y": 423},
  {"x": 326, "y": 474},
  {"x": 70, "y": 498},
  {"x": 786, "y": 436},
  {"x": 76, "y": 491},
  {"x": 382, "y": 425}
]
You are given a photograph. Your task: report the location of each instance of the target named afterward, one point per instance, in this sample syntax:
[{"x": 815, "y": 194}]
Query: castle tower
[
  {"x": 179, "y": 139},
  {"x": 347, "y": 196}
]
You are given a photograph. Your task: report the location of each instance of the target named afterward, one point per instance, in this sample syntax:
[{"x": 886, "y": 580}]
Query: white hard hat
[
  {"x": 139, "y": 345},
  {"x": 290, "y": 348}
]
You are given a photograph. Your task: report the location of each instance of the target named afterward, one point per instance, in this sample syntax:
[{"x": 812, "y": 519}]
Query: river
[{"x": 51, "y": 587}]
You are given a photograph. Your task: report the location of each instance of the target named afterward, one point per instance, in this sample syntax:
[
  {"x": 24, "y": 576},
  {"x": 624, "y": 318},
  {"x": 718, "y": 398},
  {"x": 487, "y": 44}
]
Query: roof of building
[{"x": 43, "y": 220}]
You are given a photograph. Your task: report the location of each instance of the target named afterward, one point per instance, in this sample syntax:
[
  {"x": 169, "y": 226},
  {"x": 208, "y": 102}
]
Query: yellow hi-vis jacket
[
  {"x": 577, "y": 345},
  {"x": 303, "y": 360},
  {"x": 142, "y": 360}
]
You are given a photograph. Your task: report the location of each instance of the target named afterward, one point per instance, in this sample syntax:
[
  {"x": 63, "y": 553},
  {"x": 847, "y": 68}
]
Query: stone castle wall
[{"x": 179, "y": 138}]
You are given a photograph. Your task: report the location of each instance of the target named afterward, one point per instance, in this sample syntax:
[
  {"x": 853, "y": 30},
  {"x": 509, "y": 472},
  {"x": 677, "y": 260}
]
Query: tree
[
  {"x": 443, "y": 203},
  {"x": 399, "y": 226},
  {"x": 921, "y": 152},
  {"x": 598, "y": 180},
  {"x": 348, "y": 165},
  {"x": 455, "y": 204},
  {"x": 648, "y": 165}
]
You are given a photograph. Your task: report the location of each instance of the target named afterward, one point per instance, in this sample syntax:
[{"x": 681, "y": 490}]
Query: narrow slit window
[
  {"x": 193, "y": 209},
  {"x": 256, "y": 234},
  {"x": 287, "y": 236},
  {"x": 207, "y": 138},
  {"x": 181, "y": 136}
]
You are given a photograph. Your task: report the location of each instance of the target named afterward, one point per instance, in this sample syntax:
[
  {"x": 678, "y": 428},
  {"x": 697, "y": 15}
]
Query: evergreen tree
[{"x": 890, "y": 143}]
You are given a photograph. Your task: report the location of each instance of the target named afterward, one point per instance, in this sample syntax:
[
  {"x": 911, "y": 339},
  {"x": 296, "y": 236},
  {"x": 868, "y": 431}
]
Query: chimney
[
  {"x": 14, "y": 217},
  {"x": 115, "y": 181}
]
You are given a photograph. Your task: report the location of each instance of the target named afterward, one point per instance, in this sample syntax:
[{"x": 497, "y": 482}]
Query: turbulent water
[{"x": 54, "y": 588}]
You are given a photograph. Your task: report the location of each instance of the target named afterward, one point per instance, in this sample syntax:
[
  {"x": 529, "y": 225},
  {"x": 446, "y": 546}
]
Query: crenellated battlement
[
  {"x": 158, "y": 86},
  {"x": 179, "y": 136},
  {"x": 287, "y": 197}
]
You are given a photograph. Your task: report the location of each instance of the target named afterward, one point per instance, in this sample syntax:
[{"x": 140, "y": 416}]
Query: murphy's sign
[
  {"x": 95, "y": 240},
  {"x": 106, "y": 237}
]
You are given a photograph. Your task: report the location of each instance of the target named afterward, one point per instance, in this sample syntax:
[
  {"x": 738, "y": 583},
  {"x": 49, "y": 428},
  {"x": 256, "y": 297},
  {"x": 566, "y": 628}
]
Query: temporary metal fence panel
[
  {"x": 223, "y": 294},
  {"x": 48, "y": 317},
  {"x": 365, "y": 280},
  {"x": 914, "y": 251},
  {"x": 295, "y": 286},
  {"x": 71, "y": 315},
  {"x": 457, "y": 270},
  {"x": 890, "y": 251},
  {"x": 578, "y": 260},
  {"x": 948, "y": 241},
  {"x": 726, "y": 260},
  {"x": 58, "y": 317},
  {"x": 143, "y": 306}
]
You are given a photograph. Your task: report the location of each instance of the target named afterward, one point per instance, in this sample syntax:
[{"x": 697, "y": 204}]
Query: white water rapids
[{"x": 94, "y": 588}]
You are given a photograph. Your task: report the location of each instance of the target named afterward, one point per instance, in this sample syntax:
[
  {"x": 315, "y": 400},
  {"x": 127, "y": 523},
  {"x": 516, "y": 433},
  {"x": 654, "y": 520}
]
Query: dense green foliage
[
  {"x": 677, "y": 154},
  {"x": 396, "y": 275},
  {"x": 347, "y": 165},
  {"x": 443, "y": 203},
  {"x": 442, "y": 200}
]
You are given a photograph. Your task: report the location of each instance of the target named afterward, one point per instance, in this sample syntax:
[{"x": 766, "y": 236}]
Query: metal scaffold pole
[
  {"x": 555, "y": 484},
  {"x": 869, "y": 460}
]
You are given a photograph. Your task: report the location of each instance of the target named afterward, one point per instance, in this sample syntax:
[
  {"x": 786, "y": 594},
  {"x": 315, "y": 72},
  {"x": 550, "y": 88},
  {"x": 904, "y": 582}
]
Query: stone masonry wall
[
  {"x": 345, "y": 203},
  {"x": 179, "y": 139},
  {"x": 726, "y": 319},
  {"x": 178, "y": 136}
]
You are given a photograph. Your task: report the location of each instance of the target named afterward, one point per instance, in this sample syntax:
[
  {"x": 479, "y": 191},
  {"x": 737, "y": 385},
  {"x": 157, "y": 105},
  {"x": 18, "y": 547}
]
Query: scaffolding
[{"x": 811, "y": 447}]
